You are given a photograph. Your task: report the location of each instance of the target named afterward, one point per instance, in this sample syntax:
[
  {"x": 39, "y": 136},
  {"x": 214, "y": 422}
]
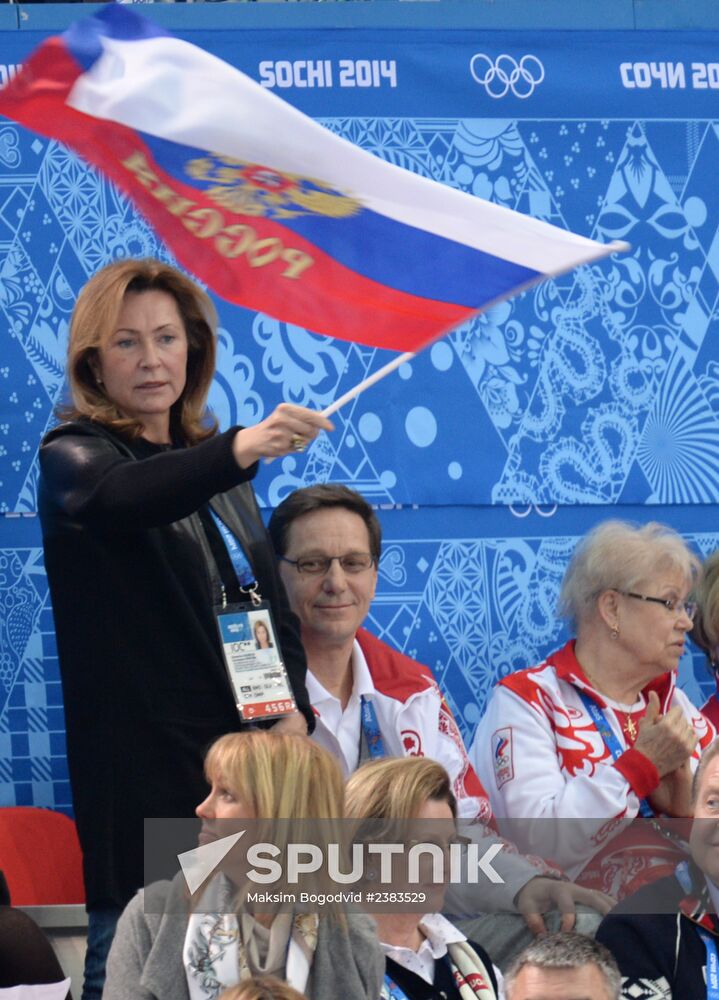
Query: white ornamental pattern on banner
[{"x": 598, "y": 388}]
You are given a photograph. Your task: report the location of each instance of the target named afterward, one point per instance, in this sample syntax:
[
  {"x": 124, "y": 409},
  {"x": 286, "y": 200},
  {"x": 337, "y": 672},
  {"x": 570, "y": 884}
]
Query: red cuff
[{"x": 639, "y": 771}]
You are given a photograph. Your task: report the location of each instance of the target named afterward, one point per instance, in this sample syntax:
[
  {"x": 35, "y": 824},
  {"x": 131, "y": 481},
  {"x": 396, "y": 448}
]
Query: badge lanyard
[
  {"x": 259, "y": 679},
  {"x": 683, "y": 877},
  {"x": 240, "y": 562},
  {"x": 612, "y": 743},
  {"x": 370, "y": 727},
  {"x": 712, "y": 966},
  {"x": 391, "y": 991}
]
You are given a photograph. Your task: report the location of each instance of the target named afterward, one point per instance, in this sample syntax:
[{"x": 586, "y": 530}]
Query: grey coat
[{"x": 145, "y": 961}]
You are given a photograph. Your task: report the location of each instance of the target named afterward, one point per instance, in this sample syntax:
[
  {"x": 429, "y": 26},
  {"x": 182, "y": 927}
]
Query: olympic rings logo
[{"x": 505, "y": 74}]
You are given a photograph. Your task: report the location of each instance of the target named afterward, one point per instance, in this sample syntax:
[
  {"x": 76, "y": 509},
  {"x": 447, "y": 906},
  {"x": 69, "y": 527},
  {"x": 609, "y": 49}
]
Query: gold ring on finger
[{"x": 298, "y": 443}]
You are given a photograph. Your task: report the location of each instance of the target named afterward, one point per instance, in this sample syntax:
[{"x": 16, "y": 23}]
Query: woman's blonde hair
[
  {"x": 395, "y": 788},
  {"x": 617, "y": 555},
  {"x": 93, "y": 322},
  {"x": 261, "y": 988},
  {"x": 283, "y": 776},
  {"x": 705, "y": 631},
  {"x": 278, "y": 775}
]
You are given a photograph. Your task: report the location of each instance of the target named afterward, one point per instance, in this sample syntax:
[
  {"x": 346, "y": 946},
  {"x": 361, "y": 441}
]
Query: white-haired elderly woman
[
  {"x": 600, "y": 731},
  {"x": 705, "y": 632}
]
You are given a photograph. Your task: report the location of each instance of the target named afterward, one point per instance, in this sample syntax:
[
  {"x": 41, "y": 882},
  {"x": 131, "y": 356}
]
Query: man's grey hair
[{"x": 567, "y": 950}]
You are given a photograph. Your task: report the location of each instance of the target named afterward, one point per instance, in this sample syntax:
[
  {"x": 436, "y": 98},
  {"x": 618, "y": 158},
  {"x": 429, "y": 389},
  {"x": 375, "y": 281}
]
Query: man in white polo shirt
[{"x": 369, "y": 700}]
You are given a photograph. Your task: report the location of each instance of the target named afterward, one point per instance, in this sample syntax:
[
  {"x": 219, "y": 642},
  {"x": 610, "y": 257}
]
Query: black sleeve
[
  {"x": 294, "y": 655},
  {"x": 287, "y": 622},
  {"x": 93, "y": 483}
]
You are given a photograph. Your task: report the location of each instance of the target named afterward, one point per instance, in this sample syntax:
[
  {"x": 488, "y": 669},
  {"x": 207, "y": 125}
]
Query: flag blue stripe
[
  {"x": 84, "y": 38},
  {"x": 406, "y": 258},
  {"x": 386, "y": 251}
]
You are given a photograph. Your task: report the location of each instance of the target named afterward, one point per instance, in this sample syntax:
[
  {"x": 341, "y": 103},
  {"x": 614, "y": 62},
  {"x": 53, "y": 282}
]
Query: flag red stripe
[{"x": 255, "y": 262}]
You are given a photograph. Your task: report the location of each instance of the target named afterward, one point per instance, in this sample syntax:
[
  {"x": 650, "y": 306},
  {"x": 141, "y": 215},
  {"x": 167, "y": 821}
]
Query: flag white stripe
[{"x": 164, "y": 86}]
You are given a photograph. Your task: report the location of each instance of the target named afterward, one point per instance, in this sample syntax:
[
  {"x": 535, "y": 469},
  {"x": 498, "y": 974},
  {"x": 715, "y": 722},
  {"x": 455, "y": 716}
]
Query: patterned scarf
[
  {"x": 215, "y": 952},
  {"x": 470, "y": 976}
]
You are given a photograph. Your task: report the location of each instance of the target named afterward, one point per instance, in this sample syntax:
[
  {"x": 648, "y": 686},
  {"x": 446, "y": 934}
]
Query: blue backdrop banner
[
  {"x": 599, "y": 387},
  {"x": 594, "y": 395}
]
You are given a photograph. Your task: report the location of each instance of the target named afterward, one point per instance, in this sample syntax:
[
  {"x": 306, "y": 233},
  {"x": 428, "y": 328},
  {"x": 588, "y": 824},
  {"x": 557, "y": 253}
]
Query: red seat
[{"x": 40, "y": 856}]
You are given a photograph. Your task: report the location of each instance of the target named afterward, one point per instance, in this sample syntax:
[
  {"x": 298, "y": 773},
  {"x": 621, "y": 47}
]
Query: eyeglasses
[
  {"x": 674, "y": 605},
  {"x": 352, "y": 563}
]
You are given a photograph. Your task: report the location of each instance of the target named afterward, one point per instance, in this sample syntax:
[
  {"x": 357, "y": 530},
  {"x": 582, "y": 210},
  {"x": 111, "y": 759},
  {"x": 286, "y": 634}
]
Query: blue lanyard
[
  {"x": 683, "y": 877},
  {"x": 712, "y": 966},
  {"x": 370, "y": 725},
  {"x": 391, "y": 991},
  {"x": 685, "y": 881},
  {"x": 240, "y": 562},
  {"x": 611, "y": 742}
]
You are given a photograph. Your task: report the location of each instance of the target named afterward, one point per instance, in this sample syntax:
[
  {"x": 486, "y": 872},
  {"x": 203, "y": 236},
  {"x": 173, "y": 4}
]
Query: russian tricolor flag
[{"x": 267, "y": 207}]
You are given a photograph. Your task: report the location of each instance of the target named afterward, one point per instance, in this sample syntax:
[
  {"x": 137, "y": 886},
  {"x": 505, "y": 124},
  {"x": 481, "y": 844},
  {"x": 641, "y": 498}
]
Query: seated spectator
[
  {"x": 705, "y": 632},
  {"x": 261, "y": 988},
  {"x": 599, "y": 733},
  {"x": 421, "y": 949},
  {"x": 565, "y": 967},
  {"x": 176, "y": 954},
  {"x": 665, "y": 937},
  {"x": 371, "y": 701}
]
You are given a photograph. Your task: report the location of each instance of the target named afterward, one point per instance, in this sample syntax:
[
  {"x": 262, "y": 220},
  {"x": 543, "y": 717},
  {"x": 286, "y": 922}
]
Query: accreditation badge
[{"x": 253, "y": 659}]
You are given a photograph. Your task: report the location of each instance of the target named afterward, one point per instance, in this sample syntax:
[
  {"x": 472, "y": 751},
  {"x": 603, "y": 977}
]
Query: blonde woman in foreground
[
  {"x": 179, "y": 953},
  {"x": 421, "y": 949}
]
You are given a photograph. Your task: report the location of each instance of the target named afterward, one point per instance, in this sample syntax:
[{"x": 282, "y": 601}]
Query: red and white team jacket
[
  {"x": 415, "y": 720},
  {"x": 543, "y": 762}
]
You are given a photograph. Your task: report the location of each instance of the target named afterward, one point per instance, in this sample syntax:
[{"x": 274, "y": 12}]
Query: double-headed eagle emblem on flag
[{"x": 255, "y": 190}]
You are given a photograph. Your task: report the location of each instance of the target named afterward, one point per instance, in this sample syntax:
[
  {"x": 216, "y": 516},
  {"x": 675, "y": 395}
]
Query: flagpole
[
  {"x": 395, "y": 363},
  {"x": 366, "y": 383},
  {"x": 617, "y": 246}
]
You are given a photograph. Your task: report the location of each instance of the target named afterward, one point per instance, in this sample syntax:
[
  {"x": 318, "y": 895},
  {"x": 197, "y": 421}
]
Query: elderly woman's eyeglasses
[
  {"x": 353, "y": 562},
  {"x": 674, "y": 605}
]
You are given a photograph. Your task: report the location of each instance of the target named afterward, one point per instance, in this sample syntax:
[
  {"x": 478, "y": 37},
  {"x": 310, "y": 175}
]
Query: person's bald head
[{"x": 563, "y": 966}]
